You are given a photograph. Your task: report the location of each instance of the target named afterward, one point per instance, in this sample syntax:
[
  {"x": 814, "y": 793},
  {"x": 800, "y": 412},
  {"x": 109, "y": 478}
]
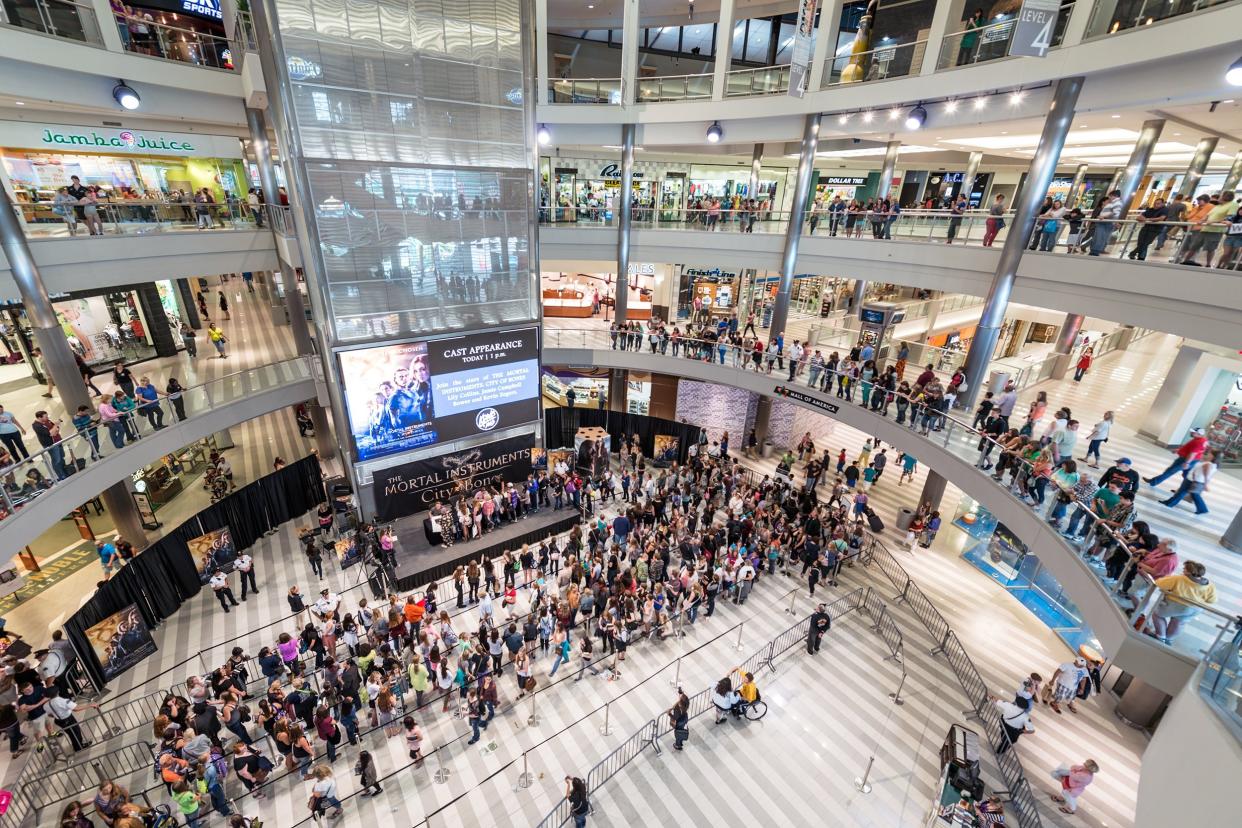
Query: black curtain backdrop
[
  {"x": 560, "y": 424},
  {"x": 164, "y": 576}
]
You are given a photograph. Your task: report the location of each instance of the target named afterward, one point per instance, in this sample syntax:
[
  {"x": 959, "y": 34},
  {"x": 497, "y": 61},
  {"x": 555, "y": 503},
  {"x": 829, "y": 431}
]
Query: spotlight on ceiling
[
  {"x": 916, "y": 118},
  {"x": 1234, "y": 73},
  {"x": 950, "y": 106},
  {"x": 843, "y": 119},
  {"x": 544, "y": 135},
  {"x": 1016, "y": 98},
  {"x": 868, "y": 116},
  {"x": 714, "y": 133},
  {"x": 126, "y": 96},
  {"x": 981, "y": 102}
]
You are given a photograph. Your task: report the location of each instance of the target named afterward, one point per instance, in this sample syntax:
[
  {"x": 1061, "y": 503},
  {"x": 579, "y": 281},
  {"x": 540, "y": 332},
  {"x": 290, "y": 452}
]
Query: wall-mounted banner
[
  {"x": 803, "y": 45},
  {"x": 413, "y": 487},
  {"x": 413, "y": 394}
]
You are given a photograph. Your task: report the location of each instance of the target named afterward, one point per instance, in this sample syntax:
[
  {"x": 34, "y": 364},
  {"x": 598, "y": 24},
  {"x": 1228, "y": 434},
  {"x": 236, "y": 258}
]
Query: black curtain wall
[
  {"x": 560, "y": 424},
  {"x": 163, "y": 576}
]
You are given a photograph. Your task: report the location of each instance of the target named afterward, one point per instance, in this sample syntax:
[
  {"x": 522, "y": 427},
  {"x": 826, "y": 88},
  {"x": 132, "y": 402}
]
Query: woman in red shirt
[{"x": 1083, "y": 364}]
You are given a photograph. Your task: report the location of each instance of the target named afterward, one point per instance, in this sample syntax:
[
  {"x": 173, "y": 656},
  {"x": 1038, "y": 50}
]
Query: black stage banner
[{"x": 413, "y": 487}]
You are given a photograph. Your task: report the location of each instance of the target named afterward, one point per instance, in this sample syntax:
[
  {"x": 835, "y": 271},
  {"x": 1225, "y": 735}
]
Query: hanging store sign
[
  {"x": 68, "y": 138},
  {"x": 613, "y": 171},
  {"x": 804, "y": 40},
  {"x": 414, "y": 487},
  {"x": 843, "y": 181},
  {"x": 1032, "y": 34}
]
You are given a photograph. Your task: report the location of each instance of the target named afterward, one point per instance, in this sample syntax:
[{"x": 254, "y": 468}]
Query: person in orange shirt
[
  {"x": 413, "y": 612},
  {"x": 1194, "y": 238}
]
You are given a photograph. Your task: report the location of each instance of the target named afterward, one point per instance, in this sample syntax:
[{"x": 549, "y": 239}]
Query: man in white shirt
[
  {"x": 745, "y": 580},
  {"x": 61, "y": 708},
  {"x": 245, "y": 566},
  {"x": 328, "y": 602},
  {"x": 219, "y": 584}
]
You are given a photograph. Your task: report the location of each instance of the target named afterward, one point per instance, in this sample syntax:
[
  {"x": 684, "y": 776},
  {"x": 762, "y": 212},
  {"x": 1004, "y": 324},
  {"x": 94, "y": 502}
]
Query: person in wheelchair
[{"x": 748, "y": 692}]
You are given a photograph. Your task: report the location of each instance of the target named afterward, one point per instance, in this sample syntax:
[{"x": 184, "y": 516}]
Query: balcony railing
[
  {"x": 585, "y": 90},
  {"x": 22, "y": 480},
  {"x": 144, "y": 36},
  {"x": 674, "y": 88},
  {"x": 893, "y": 60},
  {"x": 56, "y": 18},
  {"x": 766, "y": 80},
  {"x": 1027, "y": 474},
  {"x": 46, "y": 219},
  {"x": 991, "y": 40},
  {"x": 1110, "y": 18}
]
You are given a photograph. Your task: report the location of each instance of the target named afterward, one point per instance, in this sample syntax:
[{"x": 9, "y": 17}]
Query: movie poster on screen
[
  {"x": 213, "y": 551},
  {"x": 666, "y": 448},
  {"x": 120, "y": 641},
  {"x": 413, "y": 394},
  {"x": 413, "y": 487}
]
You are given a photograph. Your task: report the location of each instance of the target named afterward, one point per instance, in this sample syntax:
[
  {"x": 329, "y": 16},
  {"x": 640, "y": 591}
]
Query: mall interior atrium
[{"x": 898, "y": 486}]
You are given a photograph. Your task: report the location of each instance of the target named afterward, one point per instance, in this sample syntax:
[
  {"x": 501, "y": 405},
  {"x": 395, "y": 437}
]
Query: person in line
[
  {"x": 579, "y": 803},
  {"x": 821, "y": 622},
  {"x": 679, "y": 720}
]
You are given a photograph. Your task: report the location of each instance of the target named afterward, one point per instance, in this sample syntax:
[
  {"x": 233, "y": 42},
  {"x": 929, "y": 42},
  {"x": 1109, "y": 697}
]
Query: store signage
[
  {"x": 301, "y": 69},
  {"x": 844, "y": 181},
  {"x": 1032, "y": 36},
  {"x": 641, "y": 269},
  {"x": 715, "y": 274},
  {"x": 203, "y": 8},
  {"x": 804, "y": 39},
  {"x": 613, "y": 171},
  {"x": 414, "y": 487},
  {"x": 798, "y": 396},
  {"x": 125, "y": 139}
]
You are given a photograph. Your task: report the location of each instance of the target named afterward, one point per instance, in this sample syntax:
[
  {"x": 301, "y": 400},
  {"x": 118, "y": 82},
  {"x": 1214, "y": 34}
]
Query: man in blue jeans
[
  {"x": 47, "y": 431},
  {"x": 1188, "y": 453}
]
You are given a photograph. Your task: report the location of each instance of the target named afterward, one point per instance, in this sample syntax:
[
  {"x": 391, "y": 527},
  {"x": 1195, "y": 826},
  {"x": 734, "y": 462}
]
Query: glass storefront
[
  {"x": 37, "y": 174},
  {"x": 588, "y": 389},
  {"x": 173, "y": 473},
  {"x": 996, "y": 552}
]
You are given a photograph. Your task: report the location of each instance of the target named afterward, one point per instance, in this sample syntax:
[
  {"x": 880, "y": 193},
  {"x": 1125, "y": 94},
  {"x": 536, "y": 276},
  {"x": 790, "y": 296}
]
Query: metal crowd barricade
[{"x": 72, "y": 781}]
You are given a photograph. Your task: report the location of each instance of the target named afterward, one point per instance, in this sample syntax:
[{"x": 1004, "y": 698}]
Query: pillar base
[
  {"x": 1061, "y": 367},
  {"x": 763, "y": 416},
  {"x": 324, "y": 443},
  {"x": 933, "y": 490},
  {"x": 124, "y": 513}
]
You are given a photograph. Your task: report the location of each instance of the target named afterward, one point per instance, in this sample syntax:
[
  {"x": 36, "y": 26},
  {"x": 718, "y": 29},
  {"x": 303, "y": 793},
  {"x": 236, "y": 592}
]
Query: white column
[
  {"x": 724, "y": 49},
  {"x": 541, "y": 52},
  {"x": 107, "y": 25},
  {"x": 825, "y": 41},
  {"x": 943, "y": 19},
  {"x": 629, "y": 53}
]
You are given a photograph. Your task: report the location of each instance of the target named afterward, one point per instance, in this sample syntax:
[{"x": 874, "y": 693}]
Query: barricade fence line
[
  {"x": 700, "y": 703},
  {"x": 976, "y": 689}
]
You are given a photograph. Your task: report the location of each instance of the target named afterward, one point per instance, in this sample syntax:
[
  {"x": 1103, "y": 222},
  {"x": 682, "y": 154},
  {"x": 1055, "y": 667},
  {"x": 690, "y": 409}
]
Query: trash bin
[
  {"x": 766, "y": 449},
  {"x": 904, "y": 518}
]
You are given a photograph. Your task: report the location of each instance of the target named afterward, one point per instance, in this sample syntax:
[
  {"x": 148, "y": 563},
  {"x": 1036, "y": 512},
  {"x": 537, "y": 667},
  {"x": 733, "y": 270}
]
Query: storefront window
[
  {"x": 588, "y": 391},
  {"x": 166, "y": 478},
  {"x": 36, "y": 175}
]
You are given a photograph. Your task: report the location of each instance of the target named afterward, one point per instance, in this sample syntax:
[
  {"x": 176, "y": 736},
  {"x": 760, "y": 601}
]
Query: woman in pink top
[
  {"x": 1074, "y": 781},
  {"x": 109, "y": 416}
]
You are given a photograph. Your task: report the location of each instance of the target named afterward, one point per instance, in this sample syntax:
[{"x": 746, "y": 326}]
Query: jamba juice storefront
[{"x": 124, "y": 163}]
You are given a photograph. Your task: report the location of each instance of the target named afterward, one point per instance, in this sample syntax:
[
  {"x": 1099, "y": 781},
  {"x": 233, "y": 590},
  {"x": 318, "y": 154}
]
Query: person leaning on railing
[{"x": 1183, "y": 597}]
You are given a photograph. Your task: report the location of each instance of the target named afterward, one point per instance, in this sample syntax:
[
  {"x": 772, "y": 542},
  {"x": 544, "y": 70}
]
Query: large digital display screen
[{"x": 414, "y": 394}]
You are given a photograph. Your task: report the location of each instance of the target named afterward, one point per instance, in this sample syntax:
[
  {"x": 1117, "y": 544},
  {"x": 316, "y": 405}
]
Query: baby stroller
[{"x": 216, "y": 484}]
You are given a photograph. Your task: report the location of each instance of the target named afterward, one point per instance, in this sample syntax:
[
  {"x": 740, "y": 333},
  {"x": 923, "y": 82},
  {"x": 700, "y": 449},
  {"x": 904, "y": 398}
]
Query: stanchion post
[
  {"x": 605, "y": 730},
  {"x": 442, "y": 773},
  {"x": 863, "y": 785},
  {"x": 740, "y": 628},
  {"x": 676, "y": 680},
  {"x": 793, "y": 597},
  {"x": 525, "y": 778},
  {"x": 533, "y": 719},
  {"x": 896, "y": 697}
]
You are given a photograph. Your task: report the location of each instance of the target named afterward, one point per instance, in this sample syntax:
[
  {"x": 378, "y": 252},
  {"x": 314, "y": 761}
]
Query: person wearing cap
[
  {"x": 1014, "y": 717},
  {"x": 1188, "y": 453},
  {"x": 1195, "y": 483},
  {"x": 327, "y": 602},
  {"x": 1123, "y": 474},
  {"x": 1065, "y": 683}
]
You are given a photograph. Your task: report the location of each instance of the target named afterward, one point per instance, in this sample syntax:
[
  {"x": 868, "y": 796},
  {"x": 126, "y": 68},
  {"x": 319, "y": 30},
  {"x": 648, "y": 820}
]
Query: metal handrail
[{"x": 74, "y": 441}]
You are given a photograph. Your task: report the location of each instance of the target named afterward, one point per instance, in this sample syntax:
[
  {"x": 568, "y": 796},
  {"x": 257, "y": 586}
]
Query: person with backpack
[{"x": 323, "y": 793}]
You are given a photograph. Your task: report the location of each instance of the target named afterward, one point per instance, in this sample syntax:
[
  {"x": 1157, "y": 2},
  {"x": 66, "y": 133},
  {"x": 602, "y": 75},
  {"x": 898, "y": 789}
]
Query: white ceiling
[{"x": 569, "y": 15}]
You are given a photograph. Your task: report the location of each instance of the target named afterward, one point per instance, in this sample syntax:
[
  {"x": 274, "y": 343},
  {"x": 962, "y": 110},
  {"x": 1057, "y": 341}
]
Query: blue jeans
[
  {"x": 556, "y": 663},
  {"x": 1047, "y": 240},
  {"x": 116, "y": 433},
  {"x": 1100, "y": 236},
  {"x": 580, "y": 820},
  {"x": 1093, "y": 449},
  {"x": 475, "y": 724},
  {"x": 1179, "y": 464},
  {"x": 1077, "y": 518},
  {"x": 1183, "y": 490},
  {"x": 57, "y": 453}
]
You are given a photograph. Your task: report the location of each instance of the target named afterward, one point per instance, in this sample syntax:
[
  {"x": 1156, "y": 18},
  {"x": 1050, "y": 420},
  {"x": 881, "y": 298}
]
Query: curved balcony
[
  {"x": 1198, "y": 302},
  {"x": 953, "y": 452},
  {"x": 36, "y": 492}
]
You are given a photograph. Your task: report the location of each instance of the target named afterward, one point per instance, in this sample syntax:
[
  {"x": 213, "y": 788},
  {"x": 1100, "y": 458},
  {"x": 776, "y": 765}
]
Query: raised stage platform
[{"x": 418, "y": 562}]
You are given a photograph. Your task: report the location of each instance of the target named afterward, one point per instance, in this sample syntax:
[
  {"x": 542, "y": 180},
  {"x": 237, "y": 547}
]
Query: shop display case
[
  {"x": 1224, "y": 436},
  {"x": 574, "y": 302}
]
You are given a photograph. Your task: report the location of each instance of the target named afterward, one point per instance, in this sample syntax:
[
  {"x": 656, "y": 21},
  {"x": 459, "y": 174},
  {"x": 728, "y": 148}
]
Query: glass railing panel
[
  {"x": 1222, "y": 679},
  {"x": 766, "y": 80},
  {"x": 895, "y": 60},
  {"x": 23, "y": 480},
  {"x": 674, "y": 88},
  {"x": 991, "y": 41},
  {"x": 144, "y": 36},
  {"x": 46, "y": 219},
  {"x": 585, "y": 91},
  {"x": 57, "y": 18},
  {"x": 1110, "y": 18}
]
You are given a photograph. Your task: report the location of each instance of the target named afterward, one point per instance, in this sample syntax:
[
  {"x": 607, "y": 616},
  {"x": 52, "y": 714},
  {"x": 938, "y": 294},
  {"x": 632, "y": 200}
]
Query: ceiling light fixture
[
  {"x": 1234, "y": 73},
  {"x": 844, "y": 118},
  {"x": 714, "y": 133},
  {"x": 544, "y": 135},
  {"x": 916, "y": 118},
  {"x": 893, "y": 113},
  {"x": 868, "y": 116},
  {"x": 1116, "y": 116},
  {"x": 951, "y": 106},
  {"x": 123, "y": 94},
  {"x": 980, "y": 102},
  {"x": 19, "y": 103},
  {"x": 1016, "y": 98}
]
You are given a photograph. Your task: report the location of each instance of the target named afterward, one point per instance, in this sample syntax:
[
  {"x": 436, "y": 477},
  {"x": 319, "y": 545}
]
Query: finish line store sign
[{"x": 69, "y": 138}]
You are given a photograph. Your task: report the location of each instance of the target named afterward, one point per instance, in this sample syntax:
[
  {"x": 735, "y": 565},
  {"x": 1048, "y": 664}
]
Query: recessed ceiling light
[
  {"x": 843, "y": 119},
  {"x": 1177, "y": 135},
  {"x": 867, "y": 116},
  {"x": 1016, "y": 98},
  {"x": 20, "y": 103},
  {"x": 980, "y": 102},
  {"x": 950, "y": 107},
  {"x": 1116, "y": 116},
  {"x": 893, "y": 113},
  {"x": 1004, "y": 132}
]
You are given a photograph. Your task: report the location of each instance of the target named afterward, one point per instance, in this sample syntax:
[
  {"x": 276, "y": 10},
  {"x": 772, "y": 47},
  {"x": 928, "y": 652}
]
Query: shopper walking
[
  {"x": 1195, "y": 483},
  {"x": 11, "y": 433},
  {"x": 1073, "y": 780},
  {"x": 679, "y": 719},
  {"x": 579, "y": 803},
  {"x": 217, "y": 339},
  {"x": 223, "y": 303},
  {"x": 323, "y": 793},
  {"x": 189, "y": 339},
  {"x": 1188, "y": 453},
  {"x": 368, "y": 776}
]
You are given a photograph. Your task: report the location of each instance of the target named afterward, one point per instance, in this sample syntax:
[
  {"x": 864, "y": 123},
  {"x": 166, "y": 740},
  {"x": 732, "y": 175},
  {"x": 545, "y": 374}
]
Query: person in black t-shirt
[
  {"x": 1121, "y": 474},
  {"x": 78, "y": 192},
  {"x": 1152, "y": 221}
]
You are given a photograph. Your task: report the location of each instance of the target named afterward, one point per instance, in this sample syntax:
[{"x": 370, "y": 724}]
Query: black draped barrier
[
  {"x": 164, "y": 575},
  {"x": 560, "y": 425}
]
